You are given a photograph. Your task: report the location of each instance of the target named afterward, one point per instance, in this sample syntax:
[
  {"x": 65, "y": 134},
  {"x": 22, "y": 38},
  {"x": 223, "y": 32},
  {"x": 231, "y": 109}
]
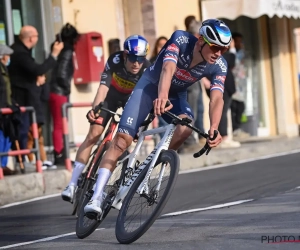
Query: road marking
[
  {"x": 229, "y": 204},
  {"x": 180, "y": 172},
  {"x": 239, "y": 162},
  {"x": 42, "y": 240},
  {"x": 31, "y": 200}
]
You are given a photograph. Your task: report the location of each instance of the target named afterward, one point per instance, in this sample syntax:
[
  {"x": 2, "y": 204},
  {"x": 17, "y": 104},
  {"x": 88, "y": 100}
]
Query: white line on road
[
  {"x": 180, "y": 172},
  {"x": 229, "y": 204},
  {"x": 31, "y": 200},
  {"x": 41, "y": 240}
]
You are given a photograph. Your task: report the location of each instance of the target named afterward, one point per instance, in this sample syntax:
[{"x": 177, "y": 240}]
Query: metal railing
[
  {"x": 36, "y": 149},
  {"x": 65, "y": 108}
]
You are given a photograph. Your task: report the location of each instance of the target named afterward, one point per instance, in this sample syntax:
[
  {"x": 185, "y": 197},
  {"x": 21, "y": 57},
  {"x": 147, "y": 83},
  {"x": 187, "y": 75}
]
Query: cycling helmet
[
  {"x": 215, "y": 31},
  {"x": 136, "y": 45}
]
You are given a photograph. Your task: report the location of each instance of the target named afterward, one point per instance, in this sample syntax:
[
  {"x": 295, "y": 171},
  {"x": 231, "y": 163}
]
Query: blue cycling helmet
[
  {"x": 136, "y": 45},
  {"x": 215, "y": 31}
]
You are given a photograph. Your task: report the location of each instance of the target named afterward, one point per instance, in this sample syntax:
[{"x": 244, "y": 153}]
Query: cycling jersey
[
  {"x": 179, "y": 49},
  {"x": 120, "y": 84}
]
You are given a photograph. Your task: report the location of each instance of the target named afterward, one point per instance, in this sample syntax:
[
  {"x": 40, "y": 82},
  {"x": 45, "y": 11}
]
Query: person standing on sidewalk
[
  {"x": 41, "y": 94},
  {"x": 5, "y": 101},
  {"x": 60, "y": 87}
]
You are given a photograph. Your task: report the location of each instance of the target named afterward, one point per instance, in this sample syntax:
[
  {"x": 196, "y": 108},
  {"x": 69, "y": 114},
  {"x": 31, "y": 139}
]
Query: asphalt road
[{"x": 272, "y": 183}]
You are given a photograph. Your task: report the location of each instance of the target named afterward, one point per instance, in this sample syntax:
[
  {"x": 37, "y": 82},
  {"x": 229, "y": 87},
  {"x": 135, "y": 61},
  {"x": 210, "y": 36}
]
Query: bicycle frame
[
  {"x": 153, "y": 156},
  {"x": 108, "y": 138}
]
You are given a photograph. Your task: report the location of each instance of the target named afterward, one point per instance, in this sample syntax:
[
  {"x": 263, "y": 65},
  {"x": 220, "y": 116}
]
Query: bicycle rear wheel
[
  {"x": 86, "y": 224},
  {"x": 130, "y": 224}
]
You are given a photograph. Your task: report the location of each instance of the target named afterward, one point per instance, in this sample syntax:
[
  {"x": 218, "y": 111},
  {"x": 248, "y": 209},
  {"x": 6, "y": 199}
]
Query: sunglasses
[
  {"x": 216, "y": 48},
  {"x": 134, "y": 58}
]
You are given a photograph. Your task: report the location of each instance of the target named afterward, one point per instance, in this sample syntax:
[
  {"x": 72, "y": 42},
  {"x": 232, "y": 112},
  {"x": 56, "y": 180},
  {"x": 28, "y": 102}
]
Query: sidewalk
[{"x": 31, "y": 185}]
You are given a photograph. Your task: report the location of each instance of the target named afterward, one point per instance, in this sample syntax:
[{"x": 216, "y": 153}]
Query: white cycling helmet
[{"x": 215, "y": 31}]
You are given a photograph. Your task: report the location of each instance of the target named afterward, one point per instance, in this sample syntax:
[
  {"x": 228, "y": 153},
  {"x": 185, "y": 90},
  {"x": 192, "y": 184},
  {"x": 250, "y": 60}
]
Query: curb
[{"x": 20, "y": 187}]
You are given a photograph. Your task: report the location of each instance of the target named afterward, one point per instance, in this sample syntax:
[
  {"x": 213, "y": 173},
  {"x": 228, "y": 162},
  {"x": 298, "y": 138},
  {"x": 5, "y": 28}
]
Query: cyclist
[
  {"x": 182, "y": 61},
  {"x": 122, "y": 71}
]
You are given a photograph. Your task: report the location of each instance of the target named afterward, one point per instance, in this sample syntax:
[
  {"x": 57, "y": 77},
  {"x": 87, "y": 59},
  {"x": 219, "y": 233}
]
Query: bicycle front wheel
[{"x": 139, "y": 211}]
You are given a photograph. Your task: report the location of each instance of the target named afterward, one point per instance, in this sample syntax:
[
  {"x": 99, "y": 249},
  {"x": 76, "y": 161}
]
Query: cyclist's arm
[
  {"x": 106, "y": 78},
  {"x": 216, "y": 95},
  {"x": 170, "y": 59},
  {"x": 167, "y": 72},
  {"x": 215, "y": 109}
]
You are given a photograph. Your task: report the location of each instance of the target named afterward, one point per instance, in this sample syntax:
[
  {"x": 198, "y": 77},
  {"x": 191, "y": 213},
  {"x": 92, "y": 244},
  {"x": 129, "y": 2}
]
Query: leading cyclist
[
  {"x": 182, "y": 61},
  {"x": 122, "y": 71}
]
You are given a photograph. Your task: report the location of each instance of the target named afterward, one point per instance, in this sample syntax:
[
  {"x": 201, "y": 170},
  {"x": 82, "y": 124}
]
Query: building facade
[{"x": 270, "y": 34}]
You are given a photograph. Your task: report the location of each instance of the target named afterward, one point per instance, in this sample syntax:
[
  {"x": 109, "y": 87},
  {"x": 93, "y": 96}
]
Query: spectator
[
  {"x": 41, "y": 95},
  {"x": 23, "y": 71},
  {"x": 5, "y": 101},
  {"x": 160, "y": 42},
  {"x": 238, "y": 99},
  {"x": 60, "y": 84}
]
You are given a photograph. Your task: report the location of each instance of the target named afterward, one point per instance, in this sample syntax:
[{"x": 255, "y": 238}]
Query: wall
[
  {"x": 170, "y": 15},
  {"x": 105, "y": 17}
]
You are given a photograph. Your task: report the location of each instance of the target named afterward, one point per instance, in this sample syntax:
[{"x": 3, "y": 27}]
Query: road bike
[{"x": 132, "y": 188}]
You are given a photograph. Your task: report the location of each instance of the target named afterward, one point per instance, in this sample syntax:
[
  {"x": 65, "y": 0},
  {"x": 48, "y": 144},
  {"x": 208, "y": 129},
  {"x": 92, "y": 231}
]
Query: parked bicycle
[{"x": 132, "y": 187}]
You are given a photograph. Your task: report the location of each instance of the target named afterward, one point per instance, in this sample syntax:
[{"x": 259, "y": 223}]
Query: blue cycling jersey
[{"x": 179, "y": 49}]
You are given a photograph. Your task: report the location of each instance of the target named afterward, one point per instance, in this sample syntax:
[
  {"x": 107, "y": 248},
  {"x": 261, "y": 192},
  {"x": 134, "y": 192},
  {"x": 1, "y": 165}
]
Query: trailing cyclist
[
  {"x": 182, "y": 61},
  {"x": 123, "y": 70}
]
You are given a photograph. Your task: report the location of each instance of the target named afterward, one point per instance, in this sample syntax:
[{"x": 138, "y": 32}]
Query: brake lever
[{"x": 206, "y": 147}]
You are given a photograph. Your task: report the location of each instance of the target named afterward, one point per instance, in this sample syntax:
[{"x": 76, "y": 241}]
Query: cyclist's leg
[
  {"x": 84, "y": 151},
  {"x": 136, "y": 110},
  {"x": 182, "y": 109}
]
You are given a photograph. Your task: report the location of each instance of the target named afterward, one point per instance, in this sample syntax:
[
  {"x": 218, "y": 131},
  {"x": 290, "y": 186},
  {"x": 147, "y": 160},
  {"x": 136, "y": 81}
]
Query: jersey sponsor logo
[
  {"x": 103, "y": 82},
  {"x": 104, "y": 75},
  {"x": 107, "y": 67},
  {"x": 222, "y": 65},
  {"x": 221, "y": 78},
  {"x": 122, "y": 85},
  {"x": 184, "y": 75},
  {"x": 173, "y": 48},
  {"x": 196, "y": 72},
  {"x": 182, "y": 39},
  {"x": 116, "y": 59},
  {"x": 129, "y": 120},
  {"x": 182, "y": 57},
  {"x": 178, "y": 82}
]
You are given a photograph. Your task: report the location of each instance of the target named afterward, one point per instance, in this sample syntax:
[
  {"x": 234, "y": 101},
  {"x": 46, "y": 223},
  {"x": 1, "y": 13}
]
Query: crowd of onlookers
[{"x": 23, "y": 82}]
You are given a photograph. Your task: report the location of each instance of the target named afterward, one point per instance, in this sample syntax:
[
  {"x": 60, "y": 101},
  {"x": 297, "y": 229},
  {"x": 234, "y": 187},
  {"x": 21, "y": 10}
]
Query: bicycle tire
[
  {"x": 124, "y": 237},
  {"x": 77, "y": 195},
  {"x": 85, "y": 232},
  {"x": 84, "y": 199}
]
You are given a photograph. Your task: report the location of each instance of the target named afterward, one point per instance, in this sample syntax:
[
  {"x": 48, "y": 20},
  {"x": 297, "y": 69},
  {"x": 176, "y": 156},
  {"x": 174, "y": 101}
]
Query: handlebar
[
  {"x": 100, "y": 107},
  {"x": 187, "y": 122},
  {"x": 176, "y": 121}
]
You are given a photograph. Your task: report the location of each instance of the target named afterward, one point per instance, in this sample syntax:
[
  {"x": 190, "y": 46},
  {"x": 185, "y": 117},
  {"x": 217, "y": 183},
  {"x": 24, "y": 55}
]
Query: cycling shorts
[{"x": 140, "y": 104}]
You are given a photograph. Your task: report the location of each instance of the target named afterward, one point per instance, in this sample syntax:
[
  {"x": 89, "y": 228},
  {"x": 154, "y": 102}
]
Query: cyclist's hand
[
  {"x": 91, "y": 116},
  {"x": 160, "y": 106},
  {"x": 214, "y": 143}
]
